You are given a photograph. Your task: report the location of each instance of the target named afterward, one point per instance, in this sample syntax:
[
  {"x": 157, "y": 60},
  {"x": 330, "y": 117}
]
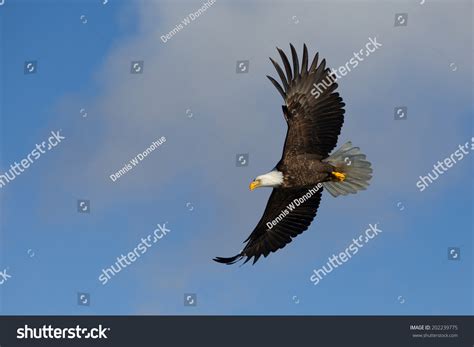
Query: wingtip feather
[{"x": 228, "y": 261}]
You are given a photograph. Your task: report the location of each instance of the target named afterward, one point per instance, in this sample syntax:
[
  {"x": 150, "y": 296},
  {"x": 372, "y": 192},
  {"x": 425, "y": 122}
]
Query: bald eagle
[{"x": 314, "y": 119}]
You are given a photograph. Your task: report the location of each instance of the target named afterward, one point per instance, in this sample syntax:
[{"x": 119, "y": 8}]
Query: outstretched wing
[
  {"x": 264, "y": 240},
  {"x": 314, "y": 112}
]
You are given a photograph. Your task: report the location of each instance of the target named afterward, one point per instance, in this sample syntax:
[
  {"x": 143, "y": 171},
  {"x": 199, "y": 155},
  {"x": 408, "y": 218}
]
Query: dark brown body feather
[{"x": 305, "y": 171}]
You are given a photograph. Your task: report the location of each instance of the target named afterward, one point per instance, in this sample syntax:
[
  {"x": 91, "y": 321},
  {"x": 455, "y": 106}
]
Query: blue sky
[{"x": 88, "y": 66}]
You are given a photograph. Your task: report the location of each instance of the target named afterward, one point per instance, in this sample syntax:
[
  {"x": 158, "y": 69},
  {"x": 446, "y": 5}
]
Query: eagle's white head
[{"x": 272, "y": 179}]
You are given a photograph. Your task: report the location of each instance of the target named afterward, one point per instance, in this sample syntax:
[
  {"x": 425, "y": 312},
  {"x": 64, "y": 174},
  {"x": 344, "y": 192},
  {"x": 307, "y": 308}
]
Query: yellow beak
[{"x": 254, "y": 184}]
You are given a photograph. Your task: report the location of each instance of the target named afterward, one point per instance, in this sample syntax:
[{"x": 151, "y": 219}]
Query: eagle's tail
[{"x": 352, "y": 171}]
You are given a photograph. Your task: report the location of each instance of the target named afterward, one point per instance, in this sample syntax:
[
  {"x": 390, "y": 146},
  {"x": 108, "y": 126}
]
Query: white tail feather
[{"x": 352, "y": 163}]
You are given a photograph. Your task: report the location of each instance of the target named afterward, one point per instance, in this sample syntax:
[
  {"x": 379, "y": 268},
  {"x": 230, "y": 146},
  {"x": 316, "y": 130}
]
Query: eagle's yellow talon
[{"x": 339, "y": 176}]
